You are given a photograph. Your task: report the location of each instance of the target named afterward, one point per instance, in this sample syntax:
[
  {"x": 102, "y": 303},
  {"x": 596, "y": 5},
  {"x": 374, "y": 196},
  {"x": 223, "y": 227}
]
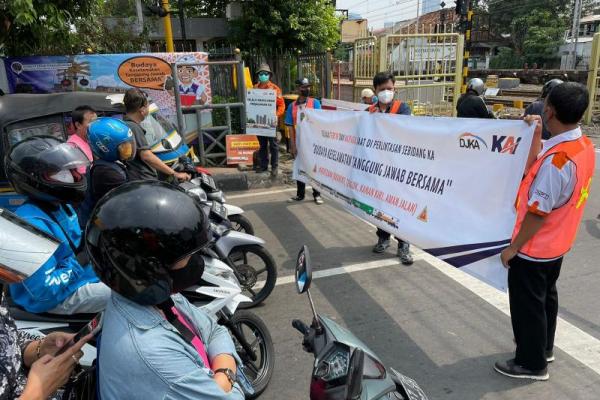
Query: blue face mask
[{"x": 263, "y": 78}]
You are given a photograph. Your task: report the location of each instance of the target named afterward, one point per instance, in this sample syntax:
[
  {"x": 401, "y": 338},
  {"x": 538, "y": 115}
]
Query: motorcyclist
[
  {"x": 29, "y": 369},
  {"x": 537, "y": 107},
  {"x": 143, "y": 239},
  {"x": 470, "y": 104},
  {"x": 113, "y": 144},
  {"x": 44, "y": 169}
]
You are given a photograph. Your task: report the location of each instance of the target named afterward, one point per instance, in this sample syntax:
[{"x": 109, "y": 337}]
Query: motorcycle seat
[{"x": 20, "y": 314}]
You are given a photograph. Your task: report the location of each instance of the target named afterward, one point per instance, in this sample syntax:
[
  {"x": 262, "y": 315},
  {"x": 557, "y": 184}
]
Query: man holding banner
[
  {"x": 383, "y": 83},
  {"x": 294, "y": 115},
  {"x": 550, "y": 207}
]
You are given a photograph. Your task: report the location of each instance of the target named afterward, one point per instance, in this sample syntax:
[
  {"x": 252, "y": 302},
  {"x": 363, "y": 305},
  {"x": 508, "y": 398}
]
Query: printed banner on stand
[
  {"x": 447, "y": 185},
  {"x": 240, "y": 148},
  {"x": 261, "y": 112}
]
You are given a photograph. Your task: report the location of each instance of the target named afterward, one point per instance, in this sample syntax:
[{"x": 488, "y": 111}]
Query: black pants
[
  {"x": 533, "y": 309},
  {"x": 381, "y": 234},
  {"x": 268, "y": 145},
  {"x": 301, "y": 190}
]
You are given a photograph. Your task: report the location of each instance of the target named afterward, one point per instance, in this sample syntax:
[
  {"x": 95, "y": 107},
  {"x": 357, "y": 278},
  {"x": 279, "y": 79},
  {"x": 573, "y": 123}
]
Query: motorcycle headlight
[
  {"x": 334, "y": 365},
  {"x": 198, "y": 193}
]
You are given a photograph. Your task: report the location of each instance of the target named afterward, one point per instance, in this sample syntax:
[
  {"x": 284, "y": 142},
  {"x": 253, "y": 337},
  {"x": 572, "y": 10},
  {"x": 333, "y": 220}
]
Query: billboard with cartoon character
[{"x": 115, "y": 73}]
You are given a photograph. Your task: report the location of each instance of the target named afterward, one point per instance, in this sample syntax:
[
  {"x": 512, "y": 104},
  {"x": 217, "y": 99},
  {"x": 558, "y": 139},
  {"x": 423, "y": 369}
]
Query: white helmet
[{"x": 476, "y": 85}]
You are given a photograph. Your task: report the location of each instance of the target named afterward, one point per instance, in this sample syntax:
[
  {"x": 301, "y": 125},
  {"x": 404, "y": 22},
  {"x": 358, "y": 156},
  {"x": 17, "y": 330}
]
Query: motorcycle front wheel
[
  {"x": 241, "y": 224},
  {"x": 256, "y": 334},
  {"x": 256, "y": 271}
]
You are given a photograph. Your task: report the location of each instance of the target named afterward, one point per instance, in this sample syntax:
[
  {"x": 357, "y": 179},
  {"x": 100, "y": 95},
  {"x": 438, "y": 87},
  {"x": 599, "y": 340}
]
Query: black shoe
[
  {"x": 295, "y": 199},
  {"x": 381, "y": 246},
  {"x": 509, "y": 368},
  {"x": 274, "y": 172},
  {"x": 549, "y": 356},
  {"x": 404, "y": 254}
]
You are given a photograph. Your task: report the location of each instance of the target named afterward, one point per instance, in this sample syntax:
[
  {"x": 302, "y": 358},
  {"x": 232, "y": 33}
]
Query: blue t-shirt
[{"x": 289, "y": 120}]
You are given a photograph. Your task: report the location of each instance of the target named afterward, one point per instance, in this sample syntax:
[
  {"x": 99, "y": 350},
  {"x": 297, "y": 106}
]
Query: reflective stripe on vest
[
  {"x": 310, "y": 103},
  {"x": 395, "y": 107},
  {"x": 558, "y": 233}
]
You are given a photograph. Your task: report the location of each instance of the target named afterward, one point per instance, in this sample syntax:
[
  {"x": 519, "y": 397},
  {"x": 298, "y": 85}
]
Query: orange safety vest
[
  {"x": 557, "y": 235},
  {"x": 393, "y": 109},
  {"x": 310, "y": 103}
]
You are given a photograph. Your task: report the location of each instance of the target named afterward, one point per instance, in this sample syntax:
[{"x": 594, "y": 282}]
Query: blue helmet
[{"x": 111, "y": 140}]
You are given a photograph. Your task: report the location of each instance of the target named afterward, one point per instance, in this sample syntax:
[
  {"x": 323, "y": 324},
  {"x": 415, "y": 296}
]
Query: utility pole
[
  {"x": 167, "y": 25},
  {"x": 418, "y": 11},
  {"x": 575, "y": 33}
]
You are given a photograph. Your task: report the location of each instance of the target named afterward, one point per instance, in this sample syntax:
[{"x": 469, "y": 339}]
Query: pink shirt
[
  {"x": 83, "y": 146},
  {"x": 196, "y": 342}
]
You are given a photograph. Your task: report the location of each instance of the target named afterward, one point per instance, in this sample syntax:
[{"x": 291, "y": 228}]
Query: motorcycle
[
  {"x": 252, "y": 264},
  {"x": 345, "y": 368},
  {"x": 219, "y": 294},
  {"x": 202, "y": 179}
]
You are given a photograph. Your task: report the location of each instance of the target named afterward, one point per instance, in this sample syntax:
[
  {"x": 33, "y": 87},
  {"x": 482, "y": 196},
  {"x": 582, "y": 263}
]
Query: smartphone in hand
[{"x": 92, "y": 327}]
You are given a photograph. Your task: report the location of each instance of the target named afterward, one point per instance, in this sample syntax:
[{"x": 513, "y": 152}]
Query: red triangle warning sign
[{"x": 423, "y": 215}]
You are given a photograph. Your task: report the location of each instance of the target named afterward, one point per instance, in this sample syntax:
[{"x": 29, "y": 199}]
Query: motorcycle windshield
[
  {"x": 23, "y": 248},
  {"x": 158, "y": 128}
]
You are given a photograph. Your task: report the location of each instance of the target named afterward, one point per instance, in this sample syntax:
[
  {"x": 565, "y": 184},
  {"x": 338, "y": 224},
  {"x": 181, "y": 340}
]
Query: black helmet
[
  {"x": 45, "y": 168},
  {"x": 138, "y": 231},
  {"x": 548, "y": 86}
]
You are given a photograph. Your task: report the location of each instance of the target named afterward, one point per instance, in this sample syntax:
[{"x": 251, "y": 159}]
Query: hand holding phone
[{"x": 91, "y": 328}]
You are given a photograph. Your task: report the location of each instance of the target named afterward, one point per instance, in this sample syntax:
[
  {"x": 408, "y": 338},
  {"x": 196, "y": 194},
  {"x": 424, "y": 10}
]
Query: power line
[{"x": 389, "y": 6}]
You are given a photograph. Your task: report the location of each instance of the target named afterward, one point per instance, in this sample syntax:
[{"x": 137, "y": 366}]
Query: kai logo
[
  {"x": 470, "y": 141},
  {"x": 505, "y": 144}
]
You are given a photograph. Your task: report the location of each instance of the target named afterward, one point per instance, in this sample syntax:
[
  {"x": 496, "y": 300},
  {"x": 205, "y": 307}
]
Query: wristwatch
[{"x": 231, "y": 377}]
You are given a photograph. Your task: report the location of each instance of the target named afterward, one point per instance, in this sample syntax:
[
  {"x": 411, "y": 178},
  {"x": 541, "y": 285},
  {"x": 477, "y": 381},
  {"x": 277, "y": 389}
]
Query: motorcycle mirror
[
  {"x": 355, "y": 375},
  {"x": 303, "y": 270},
  {"x": 166, "y": 144}
]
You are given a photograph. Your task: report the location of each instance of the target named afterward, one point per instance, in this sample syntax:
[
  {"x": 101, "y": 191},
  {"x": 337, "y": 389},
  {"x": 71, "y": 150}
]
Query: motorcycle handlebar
[{"x": 300, "y": 326}]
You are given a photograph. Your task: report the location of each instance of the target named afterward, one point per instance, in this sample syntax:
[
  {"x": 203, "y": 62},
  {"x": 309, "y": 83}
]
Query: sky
[{"x": 377, "y": 12}]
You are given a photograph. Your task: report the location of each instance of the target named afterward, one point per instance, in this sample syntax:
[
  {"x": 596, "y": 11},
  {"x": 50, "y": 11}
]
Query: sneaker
[
  {"x": 295, "y": 199},
  {"x": 509, "y": 368},
  {"x": 549, "y": 356},
  {"x": 319, "y": 200},
  {"x": 381, "y": 246},
  {"x": 404, "y": 254}
]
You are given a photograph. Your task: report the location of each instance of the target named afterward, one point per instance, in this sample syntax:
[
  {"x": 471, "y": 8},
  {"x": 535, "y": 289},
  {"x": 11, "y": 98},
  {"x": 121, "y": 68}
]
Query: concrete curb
[{"x": 239, "y": 181}]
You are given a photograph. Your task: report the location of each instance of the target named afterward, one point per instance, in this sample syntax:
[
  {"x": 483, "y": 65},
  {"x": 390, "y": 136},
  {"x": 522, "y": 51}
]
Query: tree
[
  {"x": 291, "y": 24},
  {"x": 203, "y": 8},
  {"x": 542, "y": 38},
  {"x": 41, "y": 27}
]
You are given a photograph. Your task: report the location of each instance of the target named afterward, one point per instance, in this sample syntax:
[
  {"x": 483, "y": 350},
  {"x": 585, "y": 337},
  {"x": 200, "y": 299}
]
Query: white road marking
[
  {"x": 253, "y": 194},
  {"x": 346, "y": 269}
]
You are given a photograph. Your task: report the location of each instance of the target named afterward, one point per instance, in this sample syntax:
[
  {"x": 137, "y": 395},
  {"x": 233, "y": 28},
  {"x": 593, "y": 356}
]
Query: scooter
[
  {"x": 345, "y": 368},
  {"x": 219, "y": 294},
  {"x": 203, "y": 180},
  {"x": 252, "y": 264}
]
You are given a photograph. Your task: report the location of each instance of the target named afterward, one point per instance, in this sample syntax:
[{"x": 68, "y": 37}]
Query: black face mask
[
  {"x": 188, "y": 276},
  {"x": 304, "y": 92}
]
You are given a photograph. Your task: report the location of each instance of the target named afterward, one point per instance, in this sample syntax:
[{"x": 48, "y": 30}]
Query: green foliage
[
  {"x": 542, "y": 38},
  {"x": 203, "y": 8},
  {"x": 291, "y": 24},
  {"x": 41, "y": 27},
  {"x": 506, "y": 59}
]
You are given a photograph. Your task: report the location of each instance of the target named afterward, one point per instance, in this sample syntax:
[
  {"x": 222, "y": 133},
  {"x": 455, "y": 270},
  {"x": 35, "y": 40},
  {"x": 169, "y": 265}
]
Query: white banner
[
  {"x": 447, "y": 185},
  {"x": 433, "y": 52},
  {"x": 261, "y": 112}
]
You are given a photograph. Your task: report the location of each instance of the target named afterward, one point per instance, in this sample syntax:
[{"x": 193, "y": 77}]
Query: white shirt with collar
[{"x": 553, "y": 186}]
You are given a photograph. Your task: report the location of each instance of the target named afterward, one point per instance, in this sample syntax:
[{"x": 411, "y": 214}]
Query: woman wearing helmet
[
  {"x": 470, "y": 104},
  {"x": 113, "y": 144},
  {"x": 537, "y": 107},
  {"x": 143, "y": 239},
  {"x": 30, "y": 369},
  {"x": 44, "y": 169}
]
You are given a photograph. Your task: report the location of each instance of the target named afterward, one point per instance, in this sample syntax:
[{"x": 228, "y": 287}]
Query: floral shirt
[{"x": 12, "y": 343}]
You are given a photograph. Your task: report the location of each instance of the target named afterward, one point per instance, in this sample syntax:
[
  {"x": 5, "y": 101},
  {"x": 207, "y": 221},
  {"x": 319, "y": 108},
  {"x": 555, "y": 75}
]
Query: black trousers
[
  {"x": 381, "y": 234},
  {"x": 533, "y": 309},
  {"x": 301, "y": 190},
  {"x": 268, "y": 145}
]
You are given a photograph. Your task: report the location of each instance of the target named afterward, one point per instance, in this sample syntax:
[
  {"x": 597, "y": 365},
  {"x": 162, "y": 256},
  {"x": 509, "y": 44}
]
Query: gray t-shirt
[{"x": 137, "y": 168}]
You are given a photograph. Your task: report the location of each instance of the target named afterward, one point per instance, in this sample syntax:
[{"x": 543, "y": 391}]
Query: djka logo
[
  {"x": 470, "y": 141},
  {"x": 505, "y": 144}
]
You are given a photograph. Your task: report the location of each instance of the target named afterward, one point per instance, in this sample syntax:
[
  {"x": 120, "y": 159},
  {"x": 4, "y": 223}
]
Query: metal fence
[
  {"x": 317, "y": 68},
  {"x": 593, "y": 111},
  {"x": 427, "y": 67}
]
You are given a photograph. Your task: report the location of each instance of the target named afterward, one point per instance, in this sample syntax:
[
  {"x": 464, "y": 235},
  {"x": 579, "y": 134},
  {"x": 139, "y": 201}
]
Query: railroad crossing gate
[
  {"x": 427, "y": 68},
  {"x": 593, "y": 82}
]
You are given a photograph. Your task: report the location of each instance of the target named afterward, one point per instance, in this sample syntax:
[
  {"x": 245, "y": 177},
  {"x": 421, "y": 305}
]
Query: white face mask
[
  {"x": 385, "y": 96},
  {"x": 64, "y": 176}
]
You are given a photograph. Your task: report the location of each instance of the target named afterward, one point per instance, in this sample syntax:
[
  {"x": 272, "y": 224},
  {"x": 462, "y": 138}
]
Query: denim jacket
[
  {"x": 62, "y": 274},
  {"x": 142, "y": 356}
]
